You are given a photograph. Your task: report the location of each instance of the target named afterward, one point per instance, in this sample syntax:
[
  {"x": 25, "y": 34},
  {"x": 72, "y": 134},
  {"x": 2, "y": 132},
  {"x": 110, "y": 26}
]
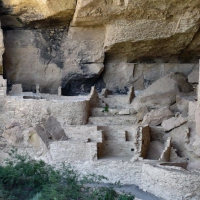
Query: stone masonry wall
[
  {"x": 30, "y": 111},
  {"x": 115, "y": 170},
  {"x": 84, "y": 133},
  {"x": 73, "y": 150},
  {"x": 171, "y": 184}
]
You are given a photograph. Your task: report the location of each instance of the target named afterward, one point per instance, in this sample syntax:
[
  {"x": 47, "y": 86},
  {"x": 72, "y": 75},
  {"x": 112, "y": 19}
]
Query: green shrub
[
  {"x": 23, "y": 178},
  {"x": 105, "y": 109}
]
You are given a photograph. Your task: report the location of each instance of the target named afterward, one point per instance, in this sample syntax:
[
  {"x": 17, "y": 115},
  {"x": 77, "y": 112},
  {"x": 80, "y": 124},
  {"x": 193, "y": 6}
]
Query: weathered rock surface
[
  {"x": 128, "y": 22},
  {"x": 53, "y": 58},
  {"x": 183, "y": 99},
  {"x": 155, "y": 117},
  {"x": 36, "y": 138},
  {"x": 18, "y": 13},
  {"x": 118, "y": 76},
  {"x": 173, "y": 122},
  {"x": 85, "y": 43},
  {"x": 158, "y": 95},
  {"x": 44, "y": 136},
  {"x": 53, "y": 127},
  {"x": 13, "y": 133},
  {"x": 114, "y": 44}
]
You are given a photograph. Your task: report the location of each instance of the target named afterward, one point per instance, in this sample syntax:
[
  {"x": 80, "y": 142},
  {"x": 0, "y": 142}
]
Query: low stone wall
[
  {"x": 72, "y": 151},
  {"x": 170, "y": 183},
  {"x": 167, "y": 182},
  {"x": 115, "y": 170},
  {"x": 32, "y": 111}
]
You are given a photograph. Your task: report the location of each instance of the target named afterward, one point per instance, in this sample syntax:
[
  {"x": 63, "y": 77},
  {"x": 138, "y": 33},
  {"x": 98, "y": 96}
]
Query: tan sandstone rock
[
  {"x": 13, "y": 133},
  {"x": 155, "y": 117},
  {"x": 36, "y": 142},
  {"x": 38, "y": 11},
  {"x": 162, "y": 92},
  {"x": 183, "y": 99},
  {"x": 127, "y": 24},
  {"x": 173, "y": 122},
  {"x": 54, "y": 57},
  {"x": 53, "y": 127}
]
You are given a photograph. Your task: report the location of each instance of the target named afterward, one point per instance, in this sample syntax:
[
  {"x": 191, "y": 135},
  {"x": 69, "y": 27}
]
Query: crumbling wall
[
  {"x": 143, "y": 138},
  {"x": 166, "y": 154}
]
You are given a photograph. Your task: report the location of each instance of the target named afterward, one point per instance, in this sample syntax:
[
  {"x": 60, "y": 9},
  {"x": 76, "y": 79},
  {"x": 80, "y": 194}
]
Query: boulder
[
  {"x": 13, "y": 133},
  {"x": 45, "y": 136},
  {"x": 141, "y": 113},
  {"x": 36, "y": 138},
  {"x": 183, "y": 99},
  {"x": 162, "y": 92},
  {"x": 174, "y": 108},
  {"x": 54, "y": 129},
  {"x": 173, "y": 122},
  {"x": 11, "y": 125},
  {"x": 155, "y": 117}
]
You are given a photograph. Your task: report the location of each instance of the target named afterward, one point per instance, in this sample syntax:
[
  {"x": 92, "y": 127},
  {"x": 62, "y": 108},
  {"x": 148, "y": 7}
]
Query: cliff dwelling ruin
[{"x": 109, "y": 86}]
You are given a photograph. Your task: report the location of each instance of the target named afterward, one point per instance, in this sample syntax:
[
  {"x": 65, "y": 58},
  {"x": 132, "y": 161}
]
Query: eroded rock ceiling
[{"x": 71, "y": 43}]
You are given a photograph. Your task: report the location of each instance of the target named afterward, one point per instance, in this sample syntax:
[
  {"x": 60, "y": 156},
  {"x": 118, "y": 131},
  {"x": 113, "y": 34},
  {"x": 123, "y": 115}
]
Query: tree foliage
[{"x": 23, "y": 178}]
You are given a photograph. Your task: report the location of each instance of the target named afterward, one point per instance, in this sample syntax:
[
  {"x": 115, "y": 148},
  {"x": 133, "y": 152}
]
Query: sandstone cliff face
[{"x": 77, "y": 44}]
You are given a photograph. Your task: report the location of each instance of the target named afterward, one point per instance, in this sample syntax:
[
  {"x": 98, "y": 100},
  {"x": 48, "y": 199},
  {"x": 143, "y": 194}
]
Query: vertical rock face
[
  {"x": 77, "y": 44},
  {"x": 54, "y": 57}
]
